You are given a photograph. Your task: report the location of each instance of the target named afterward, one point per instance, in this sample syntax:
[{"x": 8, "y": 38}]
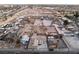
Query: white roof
[
  {"x": 47, "y": 22},
  {"x": 21, "y": 16},
  {"x": 25, "y": 38},
  {"x": 38, "y": 23}
]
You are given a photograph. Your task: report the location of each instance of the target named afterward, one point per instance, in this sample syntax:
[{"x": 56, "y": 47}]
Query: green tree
[
  {"x": 76, "y": 15},
  {"x": 5, "y": 17},
  {"x": 66, "y": 22}
]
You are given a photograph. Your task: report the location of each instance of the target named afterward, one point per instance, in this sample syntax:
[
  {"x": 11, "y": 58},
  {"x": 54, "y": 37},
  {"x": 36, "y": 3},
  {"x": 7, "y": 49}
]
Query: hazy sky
[{"x": 39, "y": 1}]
